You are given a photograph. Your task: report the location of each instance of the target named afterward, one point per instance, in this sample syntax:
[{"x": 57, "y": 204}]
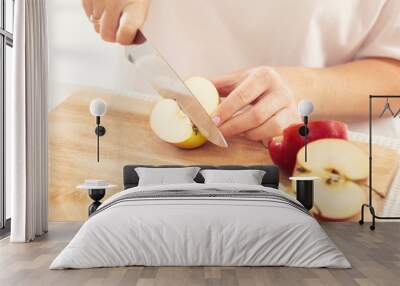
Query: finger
[
  {"x": 88, "y": 7},
  {"x": 246, "y": 92},
  {"x": 274, "y": 126},
  {"x": 265, "y": 108},
  {"x": 110, "y": 20},
  {"x": 131, "y": 20},
  {"x": 225, "y": 84},
  {"x": 97, "y": 13}
]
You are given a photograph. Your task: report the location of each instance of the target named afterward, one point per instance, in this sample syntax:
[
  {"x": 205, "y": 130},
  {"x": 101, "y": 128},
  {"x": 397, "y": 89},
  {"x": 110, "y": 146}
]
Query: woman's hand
[
  {"x": 117, "y": 20},
  {"x": 259, "y": 104}
]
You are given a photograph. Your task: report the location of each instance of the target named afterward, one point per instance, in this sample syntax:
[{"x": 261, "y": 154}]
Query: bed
[{"x": 199, "y": 224}]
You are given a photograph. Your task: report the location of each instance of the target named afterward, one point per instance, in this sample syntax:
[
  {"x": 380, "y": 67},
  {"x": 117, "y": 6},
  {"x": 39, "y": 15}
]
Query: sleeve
[{"x": 383, "y": 40}]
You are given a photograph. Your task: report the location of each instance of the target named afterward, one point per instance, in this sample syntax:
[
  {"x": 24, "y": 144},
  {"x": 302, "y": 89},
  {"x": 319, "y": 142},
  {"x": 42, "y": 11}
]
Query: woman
[{"x": 334, "y": 53}]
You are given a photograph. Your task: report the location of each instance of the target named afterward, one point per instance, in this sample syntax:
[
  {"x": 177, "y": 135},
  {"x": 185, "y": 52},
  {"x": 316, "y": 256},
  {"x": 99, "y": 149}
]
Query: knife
[{"x": 159, "y": 74}]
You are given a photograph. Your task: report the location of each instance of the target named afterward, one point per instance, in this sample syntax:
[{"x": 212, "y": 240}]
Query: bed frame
[{"x": 271, "y": 178}]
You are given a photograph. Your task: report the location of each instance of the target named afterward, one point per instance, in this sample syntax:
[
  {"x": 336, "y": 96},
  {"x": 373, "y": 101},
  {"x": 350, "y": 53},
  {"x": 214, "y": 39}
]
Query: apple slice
[
  {"x": 338, "y": 201},
  {"x": 338, "y": 156},
  {"x": 342, "y": 167},
  {"x": 205, "y": 92},
  {"x": 335, "y": 199},
  {"x": 171, "y": 125}
]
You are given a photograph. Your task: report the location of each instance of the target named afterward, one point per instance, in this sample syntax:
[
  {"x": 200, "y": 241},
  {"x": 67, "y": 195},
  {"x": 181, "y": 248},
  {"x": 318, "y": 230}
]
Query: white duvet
[{"x": 185, "y": 231}]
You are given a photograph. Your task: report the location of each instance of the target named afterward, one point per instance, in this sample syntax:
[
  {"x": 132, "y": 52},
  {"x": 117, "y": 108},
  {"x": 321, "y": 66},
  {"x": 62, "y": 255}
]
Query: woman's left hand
[{"x": 259, "y": 104}]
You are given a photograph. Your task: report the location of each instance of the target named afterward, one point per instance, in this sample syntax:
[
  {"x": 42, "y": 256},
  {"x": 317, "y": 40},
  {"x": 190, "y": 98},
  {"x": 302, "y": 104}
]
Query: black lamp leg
[
  {"x": 303, "y": 131},
  {"x": 100, "y": 131},
  {"x": 305, "y": 137},
  {"x": 98, "y": 146},
  {"x": 305, "y": 146},
  {"x": 98, "y": 137}
]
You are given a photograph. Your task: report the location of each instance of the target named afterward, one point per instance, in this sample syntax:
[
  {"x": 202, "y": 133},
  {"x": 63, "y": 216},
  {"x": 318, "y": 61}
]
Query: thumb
[{"x": 132, "y": 18}]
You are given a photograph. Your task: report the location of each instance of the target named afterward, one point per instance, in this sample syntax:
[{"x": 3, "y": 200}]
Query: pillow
[
  {"x": 248, "y": 177},
  {"x": 162, "y": 176}
]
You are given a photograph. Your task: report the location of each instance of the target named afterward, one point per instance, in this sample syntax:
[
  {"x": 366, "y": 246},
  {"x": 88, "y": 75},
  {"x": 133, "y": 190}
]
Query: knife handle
[{"x": 140, "y": 38}]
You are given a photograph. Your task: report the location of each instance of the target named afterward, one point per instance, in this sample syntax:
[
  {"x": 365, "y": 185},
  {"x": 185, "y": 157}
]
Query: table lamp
[{"x": 98, "y": 108}]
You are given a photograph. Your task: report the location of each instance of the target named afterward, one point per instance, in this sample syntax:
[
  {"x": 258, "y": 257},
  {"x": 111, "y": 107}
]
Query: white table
[{"x": 96, "y": 190}]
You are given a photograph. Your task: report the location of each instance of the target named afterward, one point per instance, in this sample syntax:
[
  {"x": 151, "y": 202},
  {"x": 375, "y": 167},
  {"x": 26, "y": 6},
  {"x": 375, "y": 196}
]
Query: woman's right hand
[{"x": 117, "y": 20}]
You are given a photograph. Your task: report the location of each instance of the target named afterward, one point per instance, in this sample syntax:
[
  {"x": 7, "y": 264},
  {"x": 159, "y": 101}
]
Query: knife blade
[{"x": 165, "y": 81}]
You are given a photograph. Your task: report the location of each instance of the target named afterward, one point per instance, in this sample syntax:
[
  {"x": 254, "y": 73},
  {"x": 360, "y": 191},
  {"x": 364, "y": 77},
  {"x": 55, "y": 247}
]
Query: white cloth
[
  {"x": 247, "y": 177},
  {"x": 164, "y": 176},
  {"x": 26, "y": 123},
  {"x": 211, "y": 37},
  {"x": 186, "y": 231}
]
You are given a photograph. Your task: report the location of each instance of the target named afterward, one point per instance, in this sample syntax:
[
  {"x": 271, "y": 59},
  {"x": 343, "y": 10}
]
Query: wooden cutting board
[{"x": 129, "y": 140}]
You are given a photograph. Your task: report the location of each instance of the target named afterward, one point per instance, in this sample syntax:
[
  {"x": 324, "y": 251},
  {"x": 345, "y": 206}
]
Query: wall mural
[
  {"x": 342, "y": 163},
  {"x": 139, "y": 124}
]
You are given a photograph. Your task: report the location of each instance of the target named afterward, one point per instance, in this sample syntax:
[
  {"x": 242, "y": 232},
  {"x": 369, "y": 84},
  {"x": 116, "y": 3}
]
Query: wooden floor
[{"x": 375, "y": 257}]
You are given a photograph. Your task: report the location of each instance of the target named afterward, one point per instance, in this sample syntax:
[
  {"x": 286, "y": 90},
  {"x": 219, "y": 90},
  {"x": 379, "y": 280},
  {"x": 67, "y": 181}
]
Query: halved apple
[
  {"x": 283, "y": 149},
  {"x": 327, "y": 156},
  {"x": 205, "y": 92},
  {"x": 342, "y": 167},
  {"x": 171, "y": 125}
]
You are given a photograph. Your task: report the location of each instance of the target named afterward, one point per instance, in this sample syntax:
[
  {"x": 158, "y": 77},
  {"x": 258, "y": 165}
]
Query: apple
[
  {"x": 342, "y": 167},
  {"x": 283, "y": 149},
  {"x": 172, "y": 125},
  {"x": 205, "y": 92}
]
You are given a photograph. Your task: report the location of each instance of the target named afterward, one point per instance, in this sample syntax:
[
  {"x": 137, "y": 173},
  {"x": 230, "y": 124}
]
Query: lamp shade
[
  {"x": 305, "y": 107},
  {"x": 98, "y": 107}
]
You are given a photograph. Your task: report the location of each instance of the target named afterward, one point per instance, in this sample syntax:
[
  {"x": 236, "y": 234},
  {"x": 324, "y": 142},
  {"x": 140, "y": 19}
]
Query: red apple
[{"x": 283, "y": 149}]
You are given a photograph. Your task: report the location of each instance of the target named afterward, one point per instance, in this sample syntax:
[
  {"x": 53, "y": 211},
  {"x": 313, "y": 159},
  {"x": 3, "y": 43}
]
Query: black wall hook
[{"x": 387, "y": 107}]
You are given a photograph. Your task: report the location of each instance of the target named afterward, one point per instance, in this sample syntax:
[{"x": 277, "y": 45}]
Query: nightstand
[
  {"x": 96, "y": 191},
  {"x": 305, "y": 190}
]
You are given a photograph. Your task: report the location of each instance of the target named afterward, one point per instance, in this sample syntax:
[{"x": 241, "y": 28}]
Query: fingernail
[{"x": 216, "y": 120}]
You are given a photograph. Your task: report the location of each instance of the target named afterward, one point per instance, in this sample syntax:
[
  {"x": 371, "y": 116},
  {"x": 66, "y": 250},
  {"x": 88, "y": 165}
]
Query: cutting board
[{"x": 129, "y": 140}]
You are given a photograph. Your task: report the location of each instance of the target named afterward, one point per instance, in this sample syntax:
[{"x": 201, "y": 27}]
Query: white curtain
[{"x": 26, "y": 123}]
